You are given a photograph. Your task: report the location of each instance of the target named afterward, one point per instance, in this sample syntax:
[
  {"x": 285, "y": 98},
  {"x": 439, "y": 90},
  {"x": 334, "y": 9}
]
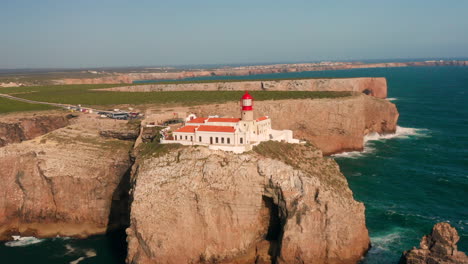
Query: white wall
[{"x": 206, "y": 137}]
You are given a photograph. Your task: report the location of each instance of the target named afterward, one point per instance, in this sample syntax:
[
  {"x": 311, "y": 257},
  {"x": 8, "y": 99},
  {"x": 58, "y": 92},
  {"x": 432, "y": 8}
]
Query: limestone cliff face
[
  {"x": 62, "y": 183},
  {"x": 282, "y": 203},
  {"x": 333, "y": 125},
  {"x": 17, "y": 130},
  {"x": 372, "y": 86},
  {"x": 438, "y": 247}
]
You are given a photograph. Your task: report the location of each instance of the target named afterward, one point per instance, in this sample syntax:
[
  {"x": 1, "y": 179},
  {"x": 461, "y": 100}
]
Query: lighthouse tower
[{"x": 247, "y": 107}]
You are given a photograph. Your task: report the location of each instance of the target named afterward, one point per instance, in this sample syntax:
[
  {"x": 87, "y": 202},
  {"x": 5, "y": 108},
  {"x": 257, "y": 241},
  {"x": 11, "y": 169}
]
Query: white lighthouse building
[{"x": 230, "y": 134}]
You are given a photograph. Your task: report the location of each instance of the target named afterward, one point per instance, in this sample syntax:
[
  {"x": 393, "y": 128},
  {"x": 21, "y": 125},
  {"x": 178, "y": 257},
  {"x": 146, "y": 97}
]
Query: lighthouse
[
  {"x": 247, "y": 107},
  {"x": 229, "y": 133}
]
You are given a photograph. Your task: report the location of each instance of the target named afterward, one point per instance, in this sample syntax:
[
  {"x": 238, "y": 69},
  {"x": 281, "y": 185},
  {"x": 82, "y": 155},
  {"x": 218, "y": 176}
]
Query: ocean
[{"x": 408, "y": 181}]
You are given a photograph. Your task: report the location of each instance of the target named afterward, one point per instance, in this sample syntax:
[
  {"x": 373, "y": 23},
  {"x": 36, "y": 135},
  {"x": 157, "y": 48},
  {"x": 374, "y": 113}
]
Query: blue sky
[{"x": 85, "y": 33}]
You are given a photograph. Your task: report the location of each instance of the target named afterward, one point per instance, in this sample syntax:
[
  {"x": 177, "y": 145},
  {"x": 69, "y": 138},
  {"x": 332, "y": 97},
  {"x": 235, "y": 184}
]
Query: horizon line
[{"x": 207, "y": 65}]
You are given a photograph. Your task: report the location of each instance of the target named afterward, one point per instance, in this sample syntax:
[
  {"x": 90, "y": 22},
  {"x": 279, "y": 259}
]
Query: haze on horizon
[{"x": 76, "y": 34}]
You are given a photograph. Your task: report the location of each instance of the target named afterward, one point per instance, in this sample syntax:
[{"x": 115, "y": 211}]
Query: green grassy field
[
  {"x": 8, "y": 106},
  {"x": 149, "y": 82},
  {"x": 86, "y": 96}
]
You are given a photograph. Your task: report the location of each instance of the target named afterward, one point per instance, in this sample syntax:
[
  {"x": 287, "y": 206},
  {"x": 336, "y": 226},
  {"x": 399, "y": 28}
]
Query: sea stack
[{"x": 440, "y": 247}]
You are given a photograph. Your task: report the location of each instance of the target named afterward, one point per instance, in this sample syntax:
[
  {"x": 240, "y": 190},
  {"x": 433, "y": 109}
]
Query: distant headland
[{"x": 12, "y": 78}]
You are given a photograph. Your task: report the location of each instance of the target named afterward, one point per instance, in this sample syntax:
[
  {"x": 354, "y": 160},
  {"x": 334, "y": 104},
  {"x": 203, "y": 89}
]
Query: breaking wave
[
  {"x": 386, "y": 240},
  {"x": 392, "y": 99},
  {"x": 401, "y": 132},
  {"x": 19, "y": 241},
  {"x": 355, "y": 154}
]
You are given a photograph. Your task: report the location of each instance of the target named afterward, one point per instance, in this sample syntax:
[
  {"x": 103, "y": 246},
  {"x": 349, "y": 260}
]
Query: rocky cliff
[
  {"x": 281, "y": 203},
  {"x": 14, "y": 130},
  {"x": 333, "y": 125},
  {"x": 372, "y": 86},
  {"x": 70, "y": 182},
  {"x": 440, "y": 247}
]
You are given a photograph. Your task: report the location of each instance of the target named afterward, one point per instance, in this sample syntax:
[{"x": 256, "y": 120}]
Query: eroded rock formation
[
  {"x": 333, "y": 125},
  {"x": 13, "y": 130},
  {"x": 282, "y": 203},
  {"x": 440, "y": 247},
  {"x": 372, "y": 86},
  {"x": 70, "y": 182}
]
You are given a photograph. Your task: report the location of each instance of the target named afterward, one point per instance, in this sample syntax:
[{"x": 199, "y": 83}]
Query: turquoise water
[{"x": 408, "y": 181}]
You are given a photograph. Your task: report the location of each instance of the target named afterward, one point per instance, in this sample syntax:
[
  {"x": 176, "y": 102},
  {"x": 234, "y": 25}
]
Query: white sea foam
[
  {"x": 392, "y": 99},
  {"x": 401, "y": 132},
  {"x": 384, "y": 241},
  {"x": 88, "y": 253},
  {"x": 355, "y": 154},
  {"x": 19, "y": 241}
]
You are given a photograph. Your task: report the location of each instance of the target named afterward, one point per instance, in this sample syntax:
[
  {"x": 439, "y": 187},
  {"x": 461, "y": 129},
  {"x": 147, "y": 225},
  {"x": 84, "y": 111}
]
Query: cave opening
[
  {"x": 274, "y": 234},
  {"x": 367, "y": 92}
]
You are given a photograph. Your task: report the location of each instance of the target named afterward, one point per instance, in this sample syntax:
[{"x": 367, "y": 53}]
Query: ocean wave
[
  {"x": 392, "y": 99},
  {"x": 355, "y": 154},
  {"x": 19, "y": 241},
  {"x": 401, "y": 132},
  {"x": 385, "y": 241}
]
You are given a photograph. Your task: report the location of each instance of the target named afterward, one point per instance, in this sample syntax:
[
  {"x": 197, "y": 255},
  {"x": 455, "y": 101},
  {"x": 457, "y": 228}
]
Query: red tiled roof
[
  {"x": 262, "y": 118},
  {"x": 198, "y": 120},
  {"x": 186, "y": 129},
  {"x": 228, "y": 129},
  {"x": 229, "y": 120}
]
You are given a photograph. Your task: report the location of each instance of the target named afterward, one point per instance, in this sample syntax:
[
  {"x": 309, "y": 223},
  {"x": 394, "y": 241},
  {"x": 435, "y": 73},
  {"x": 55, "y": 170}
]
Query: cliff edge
[
  {"x": 15, "y": 130},
  {"x": 281, "y": 203},
  {"x": 67, "y": 182}
]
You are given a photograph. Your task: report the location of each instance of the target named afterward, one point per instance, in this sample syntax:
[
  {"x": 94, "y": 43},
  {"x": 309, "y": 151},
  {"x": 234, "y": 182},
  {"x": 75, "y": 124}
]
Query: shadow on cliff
[
  {"x": 275, "y": 229},
  {"x": 119, "y": 218}
]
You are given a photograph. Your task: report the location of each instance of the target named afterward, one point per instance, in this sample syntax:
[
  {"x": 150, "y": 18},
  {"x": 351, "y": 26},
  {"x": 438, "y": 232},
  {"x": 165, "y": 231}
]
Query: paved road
[
  {"x": 33, "y": 102},
  {"x": 66, "y": 106}
]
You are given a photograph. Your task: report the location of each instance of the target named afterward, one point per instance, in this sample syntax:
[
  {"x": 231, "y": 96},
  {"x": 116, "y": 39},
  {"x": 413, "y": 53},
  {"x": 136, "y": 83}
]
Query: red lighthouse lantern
[
  {"x": 247, "y": 102},
  {"x": 247, "y": 107}
]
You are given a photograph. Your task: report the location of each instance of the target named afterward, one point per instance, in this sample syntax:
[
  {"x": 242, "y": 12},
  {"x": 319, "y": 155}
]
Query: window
[
  {"x": 241, "y": 140},
  {"x": 211, "y": 140},
  {"x": 216, "y": 140},
  {"x": 228, "y": 140},
  {"x": 191, "y": 138},
  {"x": 222, "y": 140},
  {"x": 185, "y": 137},
  {"x": 175, "y": 137},
  {"x": 199, "y": 139}
]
